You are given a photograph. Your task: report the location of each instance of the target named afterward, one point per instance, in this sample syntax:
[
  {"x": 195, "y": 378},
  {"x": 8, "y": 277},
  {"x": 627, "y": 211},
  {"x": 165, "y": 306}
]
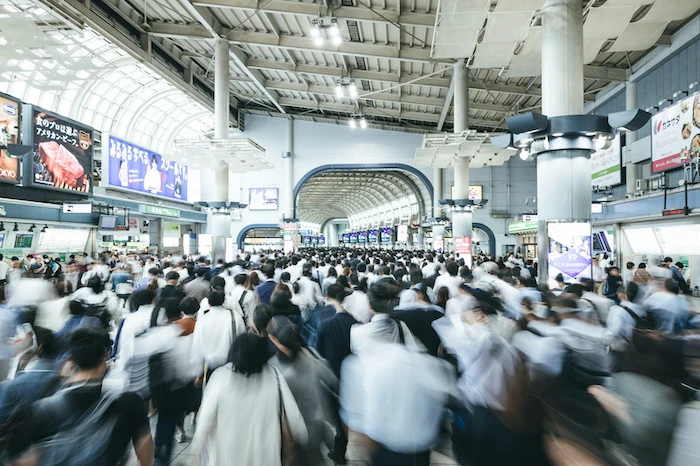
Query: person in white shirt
[
  {"x": 429, "y": 268},
  {"x": 462, "y": 301},
  {"x": 671, "y": 312},
  {"x": 598, "y": 275},
  {"x": 134, "y": 324},
  {"x": 310, "y": 294},
  {"x": 623, "y": 318},
  {"x": 450, "y": 279},
  {"x": 214, "y": 334},
  {"x": 357, "y": 303},
  {"x": 4, "y": 268},
  {"x": 628, "y": 273},
  {"x": 330, "y": 279},
  {"x": 244, "y": 297}
]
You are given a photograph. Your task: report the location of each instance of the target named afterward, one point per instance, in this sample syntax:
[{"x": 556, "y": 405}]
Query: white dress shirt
[
  {"x": 396, "y": 396},
  {"x": 620, "y": 324},
  {"x": 213, "y": 336},
  {"x": 451, "y": 282},
  {"x": 357, "y": 305}
]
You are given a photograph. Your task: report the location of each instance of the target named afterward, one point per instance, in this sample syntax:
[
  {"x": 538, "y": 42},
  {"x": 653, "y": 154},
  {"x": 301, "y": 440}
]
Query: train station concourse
[{"x": 365, "y": 232}]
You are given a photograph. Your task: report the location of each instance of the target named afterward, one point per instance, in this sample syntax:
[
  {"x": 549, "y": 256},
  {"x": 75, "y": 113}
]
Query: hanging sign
[
  {"x": 606, "y": 169},
  {"x": 675, "y": 134},
  {"x": 569, "y": 250},
  {"x": 9, "y": 134}
]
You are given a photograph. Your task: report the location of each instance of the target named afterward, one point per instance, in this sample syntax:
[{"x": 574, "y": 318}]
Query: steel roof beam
[{"x": 314, "y": 9}]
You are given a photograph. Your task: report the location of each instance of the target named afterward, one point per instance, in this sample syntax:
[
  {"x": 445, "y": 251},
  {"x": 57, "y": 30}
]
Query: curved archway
[
  {"x": 489, "y": 233},
  {"x": 408, "y": 176},
  {"x": 244, "y": 231}
]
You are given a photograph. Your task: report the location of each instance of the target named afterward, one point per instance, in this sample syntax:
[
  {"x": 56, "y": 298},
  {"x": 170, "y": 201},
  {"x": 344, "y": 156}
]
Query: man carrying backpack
[
  {"x": 626, "y": 316},
  {"x": 81, "y": 426}
]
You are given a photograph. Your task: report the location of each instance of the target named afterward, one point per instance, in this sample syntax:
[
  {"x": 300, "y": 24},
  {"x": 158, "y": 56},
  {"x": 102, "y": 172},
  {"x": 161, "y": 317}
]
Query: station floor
[{"x": 562, "y": 452}]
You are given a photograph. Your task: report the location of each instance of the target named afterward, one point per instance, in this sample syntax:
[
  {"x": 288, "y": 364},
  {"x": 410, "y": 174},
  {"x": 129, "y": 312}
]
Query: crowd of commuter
[{"x": 278, "y": 358}]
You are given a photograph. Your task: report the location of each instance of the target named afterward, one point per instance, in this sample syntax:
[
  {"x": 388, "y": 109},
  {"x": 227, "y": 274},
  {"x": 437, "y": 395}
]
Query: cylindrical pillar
[
  {"x": 631, "y": 173},
  {"x": 288, "y": 157},
  {"x": 461, "y": 219},
  {"x": 437, "y": 192},
  {"x": 421, "y": 238},
  {"x": 563, "y": 177},
  {"x": 217, "y": 178}
]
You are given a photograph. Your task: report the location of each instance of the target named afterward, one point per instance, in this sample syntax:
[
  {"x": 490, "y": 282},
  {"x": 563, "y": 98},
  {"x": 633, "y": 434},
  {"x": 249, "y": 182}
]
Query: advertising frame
[
  {"x": 569, "y": 250},
  {"x": 606, "y": 165},
  {"x": 362, "y": 237},
  {"x": 386, "y": 238},
  {"x": 675, "y": 134},
  {"x": 57, "y": 125},
  {"x": 252, "y": 191},
  {"x": 373, "y": 235},
  {"x": 113, "y": 177},
  {"x": 7, "y": 162},
  {"x": 402, "y": 233}
]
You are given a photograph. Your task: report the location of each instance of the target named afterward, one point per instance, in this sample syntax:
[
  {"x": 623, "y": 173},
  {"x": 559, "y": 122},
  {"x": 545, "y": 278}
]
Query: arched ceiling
[{"x": 365, "y": 197}]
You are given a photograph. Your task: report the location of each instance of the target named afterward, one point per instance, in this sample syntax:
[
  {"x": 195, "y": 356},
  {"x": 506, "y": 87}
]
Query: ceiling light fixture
[
  {"x": 524, "y": 154},
  {"x": 323, "y": 29},
  {"x": 352, "y": 123},
  {"x": 16, "y": 228},
  {"x": 31, "y": 228},
  {"x": 345, "y": 87},
  {"x": 2, "y": 226},
  {"x": 363, "y": 123},
  {"x": 46, "y": 227}
]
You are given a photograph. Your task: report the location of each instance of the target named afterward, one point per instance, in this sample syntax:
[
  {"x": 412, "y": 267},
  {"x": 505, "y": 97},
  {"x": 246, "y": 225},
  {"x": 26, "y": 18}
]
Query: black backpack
[
  {"x": 641, "y": 323},
  {"x": 98, "y": 310}
]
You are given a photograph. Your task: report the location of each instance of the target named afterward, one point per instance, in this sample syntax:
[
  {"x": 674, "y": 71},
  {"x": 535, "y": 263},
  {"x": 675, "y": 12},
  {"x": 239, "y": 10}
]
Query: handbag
[{"x": 291, "y": 451}]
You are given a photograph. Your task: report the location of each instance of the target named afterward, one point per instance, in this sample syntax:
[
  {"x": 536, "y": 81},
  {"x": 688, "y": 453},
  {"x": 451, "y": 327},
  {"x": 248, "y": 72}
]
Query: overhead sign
[
  {"x": 682, "y": 211},
  {"x": 62, "y": 153},
  {"x": 9, "y": 134},
  {"x": 529, "y": 217},
  {"x": 522, "y": 227},
  {"x": 569, "y": 250},
  {"x": 476, "y": 192},
  {"x": 606, "y": 168},
  {"x": 161, "y": 211},
  {"x": 463, "y": 246},
  {"x": 137, "y": 169},
  {"x": 77, "y": 208},
  {"x": 675, "y": 134}
]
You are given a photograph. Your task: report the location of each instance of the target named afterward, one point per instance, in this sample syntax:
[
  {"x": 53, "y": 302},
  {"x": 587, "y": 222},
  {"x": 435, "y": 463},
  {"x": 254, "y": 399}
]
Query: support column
[
  {"x": 563, "y": 177},
  {"x": 421, "y": 238},
  {"x": 631, "y": 170},
  {"x": 288, "y": 157},
  {"x": 461, "y": 220},
  {"x": 215, "y": 181}
]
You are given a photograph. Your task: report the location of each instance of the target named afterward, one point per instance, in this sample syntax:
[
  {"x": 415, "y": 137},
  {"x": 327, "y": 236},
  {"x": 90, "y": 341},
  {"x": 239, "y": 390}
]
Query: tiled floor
[
  {"x": 562, "y": 453},
  {"x": 184, "y": 456}
]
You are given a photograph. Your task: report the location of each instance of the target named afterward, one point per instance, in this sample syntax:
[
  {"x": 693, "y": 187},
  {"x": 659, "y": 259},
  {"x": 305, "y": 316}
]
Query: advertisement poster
[
  {"x": 62, "y": 153},
  {"x": 346, "y": 238},
  {"x": 372, "y": 236},
  {"x": 402, "y": 234},
  {"x": 9, "y": 134},
  {"x": 362, "y": 237},
  {"x": 569, "y": 250},
  {"x": 137, "y": 169},
  {"x": 386, "y": 235},
  {"x": 606, "y": 169},
  {"x": 675, "y": 134},
  {"x": 463, "y": 249},
  {"x": 262, "y": 199},
  {"x": 353, "y": 237}
]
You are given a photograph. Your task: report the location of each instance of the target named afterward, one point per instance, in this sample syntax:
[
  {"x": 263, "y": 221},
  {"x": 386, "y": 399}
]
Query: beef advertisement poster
[
  {"x": 137, "y": 169},
  {"x": 9, "y": 134},
  {"x": 62, "y": 153}
]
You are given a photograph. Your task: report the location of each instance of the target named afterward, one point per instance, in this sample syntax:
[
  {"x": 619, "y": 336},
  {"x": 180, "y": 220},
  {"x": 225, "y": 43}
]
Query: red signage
[{"x": 683, "y": 211}]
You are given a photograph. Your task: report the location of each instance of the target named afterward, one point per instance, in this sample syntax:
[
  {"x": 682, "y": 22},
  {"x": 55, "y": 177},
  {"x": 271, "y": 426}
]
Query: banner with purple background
[
  {"x": 137, "y": 169},
  {"x": 569, "y": 250}
]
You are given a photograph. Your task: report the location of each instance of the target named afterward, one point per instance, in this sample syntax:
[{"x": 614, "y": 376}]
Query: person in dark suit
[
  {"x": 419, "y": 316},
  {"x": 263, "y": 292}
]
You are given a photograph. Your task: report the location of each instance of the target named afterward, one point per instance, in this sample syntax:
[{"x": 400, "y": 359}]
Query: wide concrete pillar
[
  {"x": 631, "y": 172},
  {"x": 215, "y": 180},
  {"x": 461, "y": 220},
  {"x": 421, "y": 238},
  {"x": 288, "y": 156},
  {"x": 563, "y": 177}
]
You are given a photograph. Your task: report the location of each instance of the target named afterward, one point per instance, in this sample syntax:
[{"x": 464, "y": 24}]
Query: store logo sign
[
  {"x": 663, "y": 125},
  {"x": 9, "y": 109}
]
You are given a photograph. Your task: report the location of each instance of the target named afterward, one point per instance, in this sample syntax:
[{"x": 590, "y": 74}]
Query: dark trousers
[
  {"x": 340, "y": 443},
  {"x": 170, "y": 409},
  {"x": 384, "y": 457}
]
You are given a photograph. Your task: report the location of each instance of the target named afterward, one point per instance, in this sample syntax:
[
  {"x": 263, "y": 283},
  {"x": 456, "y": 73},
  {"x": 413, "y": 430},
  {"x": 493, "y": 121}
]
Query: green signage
[
  {"x": 684, "y": 260},
  {"x": 522, "y": 227},
  {"x": 164, "y": 211}
]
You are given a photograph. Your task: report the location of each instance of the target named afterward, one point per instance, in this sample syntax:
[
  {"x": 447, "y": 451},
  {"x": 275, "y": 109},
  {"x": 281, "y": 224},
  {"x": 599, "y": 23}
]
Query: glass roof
[{"x": 78, "y": 74}]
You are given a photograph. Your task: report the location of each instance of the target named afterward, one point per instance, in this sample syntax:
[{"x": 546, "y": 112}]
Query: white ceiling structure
[
  {"x": 392, "y": 49},
  {"x": 143, "y": 69}
]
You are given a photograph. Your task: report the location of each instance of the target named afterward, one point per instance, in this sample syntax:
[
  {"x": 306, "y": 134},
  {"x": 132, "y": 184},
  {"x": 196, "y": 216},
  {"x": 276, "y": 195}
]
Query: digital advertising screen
[
  {"x": 263, "y": 199},
  {"x": 373, "y": 236},
  {"x": 9, "y": 134},
  {"x": 569, "y": 250},
  {"x": 137, "y": 169},
  {"x": 362, "y": 237},
  {"x": 386, "y": 234},
  {"x": 675, "y": 134},
  {"x": 307, "y": 240},
  {"x": 346, "y": 237},
  {"x": 402, "y": 233},
  {"x": 606, "y": 167},
  {"x": 24, "y": 240},
  {"x": 108, "y": 222},
  {"x": 353, "y": 237},
  {"x": 321, "y": 240},
  {"x": 62, "y": 153}
]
